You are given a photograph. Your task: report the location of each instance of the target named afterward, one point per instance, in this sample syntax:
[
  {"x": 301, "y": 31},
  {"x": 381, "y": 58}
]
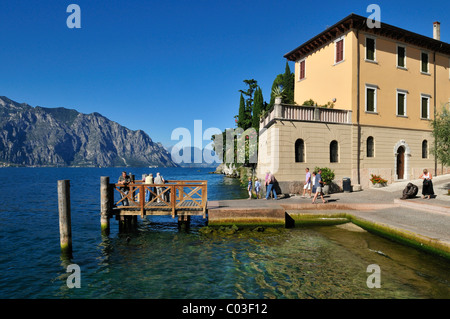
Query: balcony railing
[{"x": 290, "y": 112}]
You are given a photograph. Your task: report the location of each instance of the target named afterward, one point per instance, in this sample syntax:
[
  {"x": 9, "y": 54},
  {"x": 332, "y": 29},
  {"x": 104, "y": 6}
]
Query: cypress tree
[
  {"x": 242, "y": 113},
  {"x": 258, "y": 105},
  {"x": 288, "y": 85}
]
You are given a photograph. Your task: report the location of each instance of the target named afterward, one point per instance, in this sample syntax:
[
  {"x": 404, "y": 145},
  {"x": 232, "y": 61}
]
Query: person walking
[
  {"x": 249, "y": 188},
  {"x": 427, "y": 188},
  {"x": 257, "y": 187},
  {"x": 266, "y": 183},
  {"x": 318, "y": 184},
  {"x": 270, "y": 182},
  {"x": 307, "y": 185}
]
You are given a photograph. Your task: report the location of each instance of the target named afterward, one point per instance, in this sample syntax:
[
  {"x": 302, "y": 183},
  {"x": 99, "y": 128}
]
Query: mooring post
[
  {"x": 105, "y": 204},
  {"x": 65, "y": 228}
]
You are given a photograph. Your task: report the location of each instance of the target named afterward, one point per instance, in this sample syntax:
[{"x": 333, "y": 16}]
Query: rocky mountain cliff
[{"x": 39, "y": 136}]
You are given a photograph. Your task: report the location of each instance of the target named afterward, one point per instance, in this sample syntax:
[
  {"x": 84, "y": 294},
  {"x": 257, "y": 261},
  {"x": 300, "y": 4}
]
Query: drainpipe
[
  {"x": 358, "y": 155},
  {"x": 435, "y": 98}
]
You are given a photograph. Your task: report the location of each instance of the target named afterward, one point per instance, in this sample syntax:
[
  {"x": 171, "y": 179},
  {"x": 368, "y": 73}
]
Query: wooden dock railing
[{"x": 174, "y": 196}]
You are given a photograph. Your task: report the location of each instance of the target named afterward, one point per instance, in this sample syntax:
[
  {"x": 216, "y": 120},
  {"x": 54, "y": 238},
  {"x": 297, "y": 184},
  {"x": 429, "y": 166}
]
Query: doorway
[{"x": 401, "y": 163}]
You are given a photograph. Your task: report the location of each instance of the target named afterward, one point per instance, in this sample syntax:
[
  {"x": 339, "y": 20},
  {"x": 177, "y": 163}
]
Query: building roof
[{"x": 354, "y": 21}]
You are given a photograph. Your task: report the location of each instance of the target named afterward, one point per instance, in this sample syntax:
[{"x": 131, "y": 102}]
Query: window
[
  {"x": 425, "y": 106},
  {"x": 334, "y": 157},
  {"x": 371, "y": 98},
  {"x": 370, "y": 147},
  {"x": 401, "y": 103},
  {"x": 425, "y": 149},
  {"x": 299, "y": 151},
  {"x": 401, "y": 56},
  {"x": 339, "y": 48},
  {"x": 370, "y": 49},
  {"x": 424, "y": 67},
  {"x": 302, "y": 69}
]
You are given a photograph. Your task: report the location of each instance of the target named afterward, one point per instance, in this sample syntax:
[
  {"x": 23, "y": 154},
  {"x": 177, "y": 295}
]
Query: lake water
[{"x": 161, "y": 261}]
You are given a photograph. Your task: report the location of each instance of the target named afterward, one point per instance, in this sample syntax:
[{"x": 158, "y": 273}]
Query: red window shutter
[
  {"x": 302, "y": 70},
  {"x": 339, "y": 51}
]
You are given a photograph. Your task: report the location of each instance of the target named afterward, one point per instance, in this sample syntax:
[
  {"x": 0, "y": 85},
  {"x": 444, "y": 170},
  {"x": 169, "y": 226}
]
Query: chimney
[{"x": 437, "y": 31}]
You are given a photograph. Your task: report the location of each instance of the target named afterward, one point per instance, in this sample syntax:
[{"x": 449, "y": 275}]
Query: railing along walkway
[
  {"x": 172, "y": 196},
  {"x": 306, "y": 113}
]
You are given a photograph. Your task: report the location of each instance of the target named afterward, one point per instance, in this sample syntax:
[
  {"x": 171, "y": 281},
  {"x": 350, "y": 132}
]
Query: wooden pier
[{"x": 180, "y": 198}]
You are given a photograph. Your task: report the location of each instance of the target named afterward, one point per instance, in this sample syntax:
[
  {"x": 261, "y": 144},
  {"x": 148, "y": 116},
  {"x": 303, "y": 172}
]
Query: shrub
[{"x": 327, "y": 174}]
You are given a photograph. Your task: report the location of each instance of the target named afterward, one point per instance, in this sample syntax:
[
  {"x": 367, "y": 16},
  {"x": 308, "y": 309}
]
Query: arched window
[
  {"x": 299, "y": 151},
  {"x": 425, "y": 149},
  {"x": 334, "y": 152},
  {"x": 370, "y": 147}
]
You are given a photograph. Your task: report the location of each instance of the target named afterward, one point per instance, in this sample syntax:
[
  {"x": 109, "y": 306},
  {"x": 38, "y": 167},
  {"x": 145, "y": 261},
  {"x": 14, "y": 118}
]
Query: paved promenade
[{"x": 421, "y": 222}]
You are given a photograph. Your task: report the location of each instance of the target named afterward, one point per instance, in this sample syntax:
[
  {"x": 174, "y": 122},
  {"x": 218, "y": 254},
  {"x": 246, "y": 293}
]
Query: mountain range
[{"x": 40, "y": 136}]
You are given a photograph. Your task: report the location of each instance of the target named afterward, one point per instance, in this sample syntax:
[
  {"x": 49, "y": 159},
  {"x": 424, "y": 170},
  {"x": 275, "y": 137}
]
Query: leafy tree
[{"x": 441, "y": 133}]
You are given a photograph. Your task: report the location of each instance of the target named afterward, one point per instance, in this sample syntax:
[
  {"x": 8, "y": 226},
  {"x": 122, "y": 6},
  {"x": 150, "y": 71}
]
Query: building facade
[{"x": 384, "y": 86}]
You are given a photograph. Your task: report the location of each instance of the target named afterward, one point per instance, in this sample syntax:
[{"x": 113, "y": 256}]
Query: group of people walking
[
  {"x": 125, "y": 180},
  {"x": 313, "y": 185},
  {"x": 269, "y": 183}
]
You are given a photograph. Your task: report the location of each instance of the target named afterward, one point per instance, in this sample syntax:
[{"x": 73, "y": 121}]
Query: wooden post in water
[
  {"x": 105, "y": 204},
  {"x": 65, "y": 228}
]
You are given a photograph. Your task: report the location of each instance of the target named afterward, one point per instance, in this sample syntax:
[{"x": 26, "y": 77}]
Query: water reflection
[{"x": 159, "y": 261}]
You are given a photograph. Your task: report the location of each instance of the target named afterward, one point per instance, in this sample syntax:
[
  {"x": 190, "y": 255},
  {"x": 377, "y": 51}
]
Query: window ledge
[
  {"x": 425, "y": 73},
  {"x": 404, "y": 116},
  {"x": 425, "y": 119},
  {"x": 372, "y": 112},
  {"x": 371, "y": 61},
  {"x": 404, "y": 68},
  {"x": 336, "y": 63}
]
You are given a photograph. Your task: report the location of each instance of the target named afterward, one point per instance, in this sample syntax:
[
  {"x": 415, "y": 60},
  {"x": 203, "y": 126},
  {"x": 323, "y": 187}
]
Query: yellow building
[{"x": 385, "y": 86}]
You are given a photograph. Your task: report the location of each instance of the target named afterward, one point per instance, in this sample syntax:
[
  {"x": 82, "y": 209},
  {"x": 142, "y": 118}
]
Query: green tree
[
  {"x": 441, "y": 134},
  {"x": 288, "y": 85},
  {"x": 245, "y": 119},
  {"x": 286, "y": 82},
  {"x": 241, "y": 118},
  {"x": 258, "y": 106}
]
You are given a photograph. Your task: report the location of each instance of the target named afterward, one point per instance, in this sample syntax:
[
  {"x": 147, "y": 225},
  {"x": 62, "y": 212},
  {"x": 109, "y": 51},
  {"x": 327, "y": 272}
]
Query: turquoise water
[{"x": 160, "y": 260}]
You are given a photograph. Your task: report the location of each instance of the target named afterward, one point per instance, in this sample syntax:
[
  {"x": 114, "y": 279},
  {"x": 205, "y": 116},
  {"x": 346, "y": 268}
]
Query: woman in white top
[{"x": 427, "y": 189}]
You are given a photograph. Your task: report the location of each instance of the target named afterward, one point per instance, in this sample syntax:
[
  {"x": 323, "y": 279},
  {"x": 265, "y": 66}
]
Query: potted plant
[
  {"x": 327, "y": 178},
  {"x": 377, "y": 181},
  {"x": 278, "y": 93}
]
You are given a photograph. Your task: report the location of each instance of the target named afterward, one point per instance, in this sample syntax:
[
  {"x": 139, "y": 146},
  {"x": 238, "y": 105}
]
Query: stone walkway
[{"x": 423, "y": 222}]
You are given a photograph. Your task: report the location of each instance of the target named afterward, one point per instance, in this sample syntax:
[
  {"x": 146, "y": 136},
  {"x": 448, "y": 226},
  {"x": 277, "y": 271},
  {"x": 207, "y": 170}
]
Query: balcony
[{"x": 288, "y": 112}]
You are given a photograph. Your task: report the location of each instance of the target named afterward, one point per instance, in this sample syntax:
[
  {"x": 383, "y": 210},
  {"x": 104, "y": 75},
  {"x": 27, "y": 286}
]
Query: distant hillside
[
  {"x": 190, "y": 163},
  {"x": 40, "y": 136}
]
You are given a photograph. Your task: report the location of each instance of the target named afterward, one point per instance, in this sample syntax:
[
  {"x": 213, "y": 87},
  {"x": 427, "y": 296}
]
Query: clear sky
[{"x": 160, "y": 65}]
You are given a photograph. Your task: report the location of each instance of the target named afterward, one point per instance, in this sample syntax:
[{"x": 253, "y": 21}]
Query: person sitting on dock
[
  {"x": 148, "y": 194},
  {"x": 124, "y": 180},
  {"x": 159, "y": 180}
]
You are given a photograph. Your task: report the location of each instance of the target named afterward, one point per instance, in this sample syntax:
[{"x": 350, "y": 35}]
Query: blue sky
[{"x": 160, "y": 65}]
